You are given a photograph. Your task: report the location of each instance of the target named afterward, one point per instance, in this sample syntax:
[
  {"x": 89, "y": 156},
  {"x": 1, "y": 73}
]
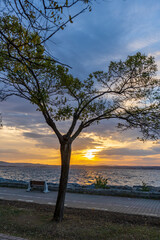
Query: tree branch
[
  {"x": 63, "y": 25},
  {"x": 71, "y": 129},
  {"x": 80, "y": 128},
  {"x": 51, "y": 123}
]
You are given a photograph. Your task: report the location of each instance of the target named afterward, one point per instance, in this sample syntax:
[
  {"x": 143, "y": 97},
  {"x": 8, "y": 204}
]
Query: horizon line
[{"x": 78, "y": 165}]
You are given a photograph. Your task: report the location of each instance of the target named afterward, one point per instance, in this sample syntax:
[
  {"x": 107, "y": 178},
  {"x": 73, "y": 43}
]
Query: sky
[{"x": 113, "y": 30}]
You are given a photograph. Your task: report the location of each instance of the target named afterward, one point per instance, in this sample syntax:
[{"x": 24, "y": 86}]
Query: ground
[{"x": 33, "y": 221}]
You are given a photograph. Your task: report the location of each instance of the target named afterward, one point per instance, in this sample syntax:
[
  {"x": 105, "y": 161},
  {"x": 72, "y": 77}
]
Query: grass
[{"x": 33, "y": 221}]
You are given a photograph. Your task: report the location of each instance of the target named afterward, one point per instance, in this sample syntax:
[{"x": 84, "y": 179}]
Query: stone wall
[{"x": 124, "y": 191}]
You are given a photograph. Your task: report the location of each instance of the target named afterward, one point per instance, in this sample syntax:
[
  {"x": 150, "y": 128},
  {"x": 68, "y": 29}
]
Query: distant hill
[{"x": 7, "y": 164}]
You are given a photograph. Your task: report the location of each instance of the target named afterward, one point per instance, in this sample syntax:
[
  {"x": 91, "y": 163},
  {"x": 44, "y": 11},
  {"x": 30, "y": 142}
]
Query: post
[{"x": 45, "y": 187}]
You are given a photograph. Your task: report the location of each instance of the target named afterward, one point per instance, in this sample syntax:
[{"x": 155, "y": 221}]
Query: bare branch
[{"x": 79, "y": 130}]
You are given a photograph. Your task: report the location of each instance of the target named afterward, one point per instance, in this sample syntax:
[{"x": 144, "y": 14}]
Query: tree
[
  {"x": 46, "y": 17},
  {"x": 123, "y": 92}
]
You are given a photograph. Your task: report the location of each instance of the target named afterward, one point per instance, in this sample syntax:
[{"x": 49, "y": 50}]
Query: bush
[
  {"x": 101, "y": 182},
  {"x": 145, "y": 188}
]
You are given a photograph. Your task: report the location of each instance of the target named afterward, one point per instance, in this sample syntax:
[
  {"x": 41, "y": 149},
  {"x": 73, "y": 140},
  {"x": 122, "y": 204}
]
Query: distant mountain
[
  {"x": 4, "y": 164},
  {"x": 7, "y": 164}
]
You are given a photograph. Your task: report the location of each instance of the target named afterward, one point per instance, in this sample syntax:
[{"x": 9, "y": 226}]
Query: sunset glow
[
  {"x": 89, "y": 154},
  {"x": 112, "y": 31},
  {"x": 18, "y": 145}
]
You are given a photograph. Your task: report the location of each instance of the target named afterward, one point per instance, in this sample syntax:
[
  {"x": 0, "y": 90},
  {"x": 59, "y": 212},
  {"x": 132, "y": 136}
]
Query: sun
[{"x": 89, "y": 154}]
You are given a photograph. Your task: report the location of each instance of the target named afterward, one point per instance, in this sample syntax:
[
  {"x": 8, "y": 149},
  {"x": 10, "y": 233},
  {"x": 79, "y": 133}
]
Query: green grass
[{"x": 33, "y": 221}]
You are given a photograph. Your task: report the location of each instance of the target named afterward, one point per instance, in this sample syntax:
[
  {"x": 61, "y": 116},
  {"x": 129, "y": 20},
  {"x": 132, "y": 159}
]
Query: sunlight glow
[
  {"x": 16, "y": 148},
  {"x": 89, "y": 154}
]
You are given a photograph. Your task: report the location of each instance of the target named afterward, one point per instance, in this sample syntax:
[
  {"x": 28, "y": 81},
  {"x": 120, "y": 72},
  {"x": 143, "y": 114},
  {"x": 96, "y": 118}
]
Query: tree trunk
[{"x": 65, "y": 150}]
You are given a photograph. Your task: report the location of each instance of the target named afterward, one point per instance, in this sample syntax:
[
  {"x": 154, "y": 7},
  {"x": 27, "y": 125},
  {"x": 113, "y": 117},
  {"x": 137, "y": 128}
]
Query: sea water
[{"x": 85, "y": 175}]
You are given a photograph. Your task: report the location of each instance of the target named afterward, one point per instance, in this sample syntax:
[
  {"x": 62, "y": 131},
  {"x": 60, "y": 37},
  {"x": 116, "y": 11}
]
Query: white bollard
[
  {"x": 46, "y": 187},
  {"x": 29, "y": 187}
]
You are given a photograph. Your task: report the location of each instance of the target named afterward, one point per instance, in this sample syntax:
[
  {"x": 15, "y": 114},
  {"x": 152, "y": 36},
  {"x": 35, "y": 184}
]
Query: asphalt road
[{"x": 139, "y": 206}]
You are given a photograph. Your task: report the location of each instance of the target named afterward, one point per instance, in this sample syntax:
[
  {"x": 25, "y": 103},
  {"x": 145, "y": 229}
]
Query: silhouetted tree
[
  {"x": 123, "y": 92},
  {"x": 45, "y": 17}
]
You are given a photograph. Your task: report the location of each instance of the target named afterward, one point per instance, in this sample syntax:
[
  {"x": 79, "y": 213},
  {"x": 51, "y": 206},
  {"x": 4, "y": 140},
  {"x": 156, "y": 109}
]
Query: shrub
[
  {"x": 145, "y": 188},
  {"x": 101, "y": 182}
]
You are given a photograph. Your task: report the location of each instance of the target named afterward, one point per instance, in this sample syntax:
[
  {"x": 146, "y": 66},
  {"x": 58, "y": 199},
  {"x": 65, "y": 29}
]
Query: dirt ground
[{"x": 34, "y": 222}]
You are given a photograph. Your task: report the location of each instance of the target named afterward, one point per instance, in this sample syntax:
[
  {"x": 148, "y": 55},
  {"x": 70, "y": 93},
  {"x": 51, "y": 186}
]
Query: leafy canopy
[
  {"x": 123, "y": 92},
  {"x": 45, "y": 16}
]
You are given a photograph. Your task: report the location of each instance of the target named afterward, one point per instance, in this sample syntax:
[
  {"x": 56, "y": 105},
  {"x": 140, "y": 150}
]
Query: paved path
[
  {"x": 7, "y": 237},
  {"x": 138, "y": 206}
]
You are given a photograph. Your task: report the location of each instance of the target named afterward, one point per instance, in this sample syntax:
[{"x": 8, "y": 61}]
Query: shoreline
[{"x": 112, "y": 190}]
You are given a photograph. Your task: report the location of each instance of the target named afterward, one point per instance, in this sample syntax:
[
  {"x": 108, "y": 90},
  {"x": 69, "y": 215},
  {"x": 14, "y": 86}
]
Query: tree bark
[{"x": 65, "y": 150}]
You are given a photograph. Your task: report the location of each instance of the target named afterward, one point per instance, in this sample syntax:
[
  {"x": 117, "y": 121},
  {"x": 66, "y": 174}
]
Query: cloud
[
  {"x": 156, "y": 149},
  {"x": 51, "y": 141},
  {"x": 48, "y": 143},
  {"x": 84, "y": 143},
  {"x": 143, "y": 42},
  {"x": 45, "y": 141},
  {"x": 150, "y": 159},
  {"x": 36, "y": 135},
  {"x": 8, "y": 151},
  {"x": 108, "y": 128},
  {"x": 93, "y": 40},
  {"x": 21, "y": 114},
  {"x": 126, "y": 152},
  {"x": 113, "y": 30},
  {"x": 14, "y": 154}
]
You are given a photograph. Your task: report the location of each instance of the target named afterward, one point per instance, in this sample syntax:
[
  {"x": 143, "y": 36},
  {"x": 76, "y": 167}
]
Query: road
[{"x": 138, "y": 206}]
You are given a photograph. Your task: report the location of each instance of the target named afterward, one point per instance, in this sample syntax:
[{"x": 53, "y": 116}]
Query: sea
[{"x": 85, "y": 175}]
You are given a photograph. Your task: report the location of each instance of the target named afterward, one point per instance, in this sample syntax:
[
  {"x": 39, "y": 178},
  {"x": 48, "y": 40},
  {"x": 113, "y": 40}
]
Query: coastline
[{"x": 111, "y": 190}]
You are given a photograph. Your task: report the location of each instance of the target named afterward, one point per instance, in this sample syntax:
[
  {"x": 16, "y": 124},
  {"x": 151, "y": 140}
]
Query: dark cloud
[
  {"x": 105, "y": 127},
  {"x": 84, "y": 143},
  {"x": 126, "y": 152},
  {"x": 48, "y": 143},
  {"x": 51, "y": 141},
  {"x": 150, "y": 159},
  {"x": 108, "y": 128},
  {"x": 19, "y": 113},
  {"x": 43, "y": 140},
  {"x": 156, "y": 149},
  {"x": 113, "y": 30},
  {"x": 16, "y": 105},
  {"x": 90, "y": 47},
  {"x": 145, "y": 161},
  {"x": 37, "y": 135},
  {"x": 13, "y": 154},
  {"x": 8, "y": 151}
]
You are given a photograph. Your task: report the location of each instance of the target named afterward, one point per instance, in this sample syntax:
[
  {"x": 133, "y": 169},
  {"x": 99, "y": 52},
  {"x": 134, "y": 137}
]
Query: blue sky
[{"x": 113, "y": 30}]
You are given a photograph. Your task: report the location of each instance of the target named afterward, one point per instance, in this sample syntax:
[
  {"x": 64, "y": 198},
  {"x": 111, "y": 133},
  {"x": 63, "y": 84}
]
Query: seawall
[{"x": 124, "y": 191}]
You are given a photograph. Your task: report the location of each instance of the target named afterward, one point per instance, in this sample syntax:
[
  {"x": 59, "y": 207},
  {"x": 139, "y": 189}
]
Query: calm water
[{"x": 85, "y": 175}]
